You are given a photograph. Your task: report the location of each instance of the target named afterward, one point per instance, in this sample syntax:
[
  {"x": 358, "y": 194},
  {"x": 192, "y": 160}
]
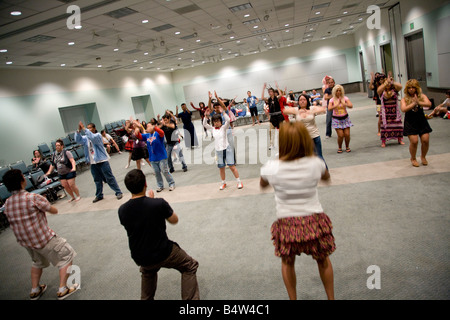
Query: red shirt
[
  {"x": 283, "y": 102},
  {"x": 26, "y": 215}
]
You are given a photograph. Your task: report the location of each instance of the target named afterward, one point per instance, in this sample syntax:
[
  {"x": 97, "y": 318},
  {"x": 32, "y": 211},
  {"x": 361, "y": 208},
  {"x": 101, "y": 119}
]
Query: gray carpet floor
[{"x": 395, "y": 218}]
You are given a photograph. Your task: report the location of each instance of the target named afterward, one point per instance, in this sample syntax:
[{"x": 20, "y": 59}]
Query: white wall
[
  {"x": 300, "y": 67},
  {"x": 29, "y": 102}
]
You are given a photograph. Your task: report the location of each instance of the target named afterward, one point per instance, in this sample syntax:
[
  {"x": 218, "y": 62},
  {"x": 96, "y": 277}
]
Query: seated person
[
  {"x": 38, "y": 161},
  {"x": 315, "y": 96},
  {"x": 441, "y": 109},
  {"x": 107, "y": 141}
]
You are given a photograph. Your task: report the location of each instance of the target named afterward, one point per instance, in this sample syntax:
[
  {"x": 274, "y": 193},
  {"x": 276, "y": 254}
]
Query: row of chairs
[
  {"x": 69, "y": 143},
  {"x": 110, "y": 127}
]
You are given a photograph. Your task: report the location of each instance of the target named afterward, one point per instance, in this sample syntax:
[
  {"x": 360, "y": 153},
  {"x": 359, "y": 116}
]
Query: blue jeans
[
  {"x": 161, "y": 167},
  {"x": 329, "y": 118},
  {"x": 102, "y": 172},
  {"x": 178, "y": 151},
  {"x": 318, "y": 148}
]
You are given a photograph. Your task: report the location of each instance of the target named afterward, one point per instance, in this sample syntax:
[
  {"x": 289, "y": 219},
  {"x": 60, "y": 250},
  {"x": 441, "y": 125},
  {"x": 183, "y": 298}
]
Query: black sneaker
[
  {"x": 172, "y": 170},
  {"x": 185, "y": 169},
  {"x": 96, "y": 200}
]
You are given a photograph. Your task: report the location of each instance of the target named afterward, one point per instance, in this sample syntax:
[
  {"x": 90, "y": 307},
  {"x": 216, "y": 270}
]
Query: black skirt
[
  {"x": 415, "y": 123},
  {"x": 139, "y": 153}
]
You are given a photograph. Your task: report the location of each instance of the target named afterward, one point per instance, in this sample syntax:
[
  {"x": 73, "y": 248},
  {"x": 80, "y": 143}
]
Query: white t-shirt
[
  {"x": 309, "y": 120},
  {"x": 295, "y": 185}
]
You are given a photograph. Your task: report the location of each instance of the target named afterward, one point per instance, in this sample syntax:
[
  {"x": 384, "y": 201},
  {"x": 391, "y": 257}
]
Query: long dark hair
[{"x": 308, "y": 103}]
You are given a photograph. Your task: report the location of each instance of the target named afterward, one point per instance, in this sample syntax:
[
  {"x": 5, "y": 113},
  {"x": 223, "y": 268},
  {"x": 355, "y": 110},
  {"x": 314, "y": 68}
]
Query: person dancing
[
  {"x": 301, "y": 225},
  {"x": 390, "y": 116},
  {"x": 416, "y": 124},
  {"x": 340, "y": 120}
]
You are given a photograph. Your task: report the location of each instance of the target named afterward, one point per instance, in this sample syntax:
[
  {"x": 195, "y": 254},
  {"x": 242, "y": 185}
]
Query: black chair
[
  {"x": 51, "y": 189},
  {"x": 4, "y": 193},
  {"x": 20, "y": 165},
  {"x": 81, "y": 160},
  {"x": 3, "y": 170},
  {"x": 67, "y": 143},
  {"x": 44, "y": 149}
]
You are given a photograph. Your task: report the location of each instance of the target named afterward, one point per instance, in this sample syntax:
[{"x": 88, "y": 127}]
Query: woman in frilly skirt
[{"x": 302, "y": 226}]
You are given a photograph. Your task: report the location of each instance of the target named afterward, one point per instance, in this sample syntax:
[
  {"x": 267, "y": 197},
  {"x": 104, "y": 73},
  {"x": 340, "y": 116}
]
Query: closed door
[{"x": 415, "y": 59}]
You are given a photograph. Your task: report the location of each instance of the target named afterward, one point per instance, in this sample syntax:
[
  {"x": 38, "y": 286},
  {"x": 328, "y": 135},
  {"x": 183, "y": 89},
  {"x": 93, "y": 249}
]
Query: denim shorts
[
  {"x": 225, "y": 157},
  {"x": 68, "y": 176}
]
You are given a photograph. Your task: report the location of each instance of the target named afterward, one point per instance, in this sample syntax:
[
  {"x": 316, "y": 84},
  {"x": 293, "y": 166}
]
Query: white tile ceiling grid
[{"x": 179, "y": 33}]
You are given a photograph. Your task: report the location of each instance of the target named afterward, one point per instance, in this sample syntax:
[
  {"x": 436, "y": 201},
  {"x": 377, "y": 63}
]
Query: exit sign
[{"x": 411, "y": 26}]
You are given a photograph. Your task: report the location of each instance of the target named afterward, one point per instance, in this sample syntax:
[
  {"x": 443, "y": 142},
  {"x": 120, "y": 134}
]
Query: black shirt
[
  {"x": 171, "y": 138},
  {"x": 144, "y": 220}
]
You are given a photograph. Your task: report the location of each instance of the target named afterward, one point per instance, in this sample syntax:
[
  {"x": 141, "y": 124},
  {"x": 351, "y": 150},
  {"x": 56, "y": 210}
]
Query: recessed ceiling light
[
  {"x": 116, "y": 49},
  {"x": 145, "y": 53},
  {"x": 16, "y": 13},
  {"x": 287, "y": 30},
  {"x": 8, "y": 62},
  {"x": 255, "y": 27},
  {"x": 63, "y": 64},
  {"x": 198, "y": 40},
  {"x": 99, "y": 66},
  {"x": 178, "y": 32},
  {"x": 145, "y": 21},
  {"x": 151, "y": 62},
  {"x": 78, "y": 27},
  {"x": 3, "y": 50},
  {"x": 135, "y": 61},
  {"x": 231, "y": 37},
  {"x": 181, "y": 49},
  {"x": 286, "y": 25},
  {"x": 318, "y": 12},
  {"x": 71, "y": 43},
  {"x": 345, "y": 12},
  {"x": 246, "y": 16}
]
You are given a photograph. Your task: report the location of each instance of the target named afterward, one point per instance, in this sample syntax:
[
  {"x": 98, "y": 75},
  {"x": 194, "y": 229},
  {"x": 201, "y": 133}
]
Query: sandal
[
  {"x": 339, "y": 151},
  {"x": 348, "y": 150},
  {"x": 424, "y": 162},
  {"x": 67, "y": 292},
  {"x": 37, "y": 295},
  {"x": 414, "y": 163}
]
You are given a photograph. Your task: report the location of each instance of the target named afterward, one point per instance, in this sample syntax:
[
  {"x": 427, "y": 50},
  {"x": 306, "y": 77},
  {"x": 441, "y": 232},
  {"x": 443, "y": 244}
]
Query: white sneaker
[
  {"x": 240, "y": 185},
  {"x": 223, "y": 186},
  {"x": 171, "y": 188}
]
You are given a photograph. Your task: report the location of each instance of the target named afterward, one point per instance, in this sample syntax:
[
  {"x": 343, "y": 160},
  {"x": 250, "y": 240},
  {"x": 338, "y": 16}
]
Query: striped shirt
[{"x": 26, "y": 215}]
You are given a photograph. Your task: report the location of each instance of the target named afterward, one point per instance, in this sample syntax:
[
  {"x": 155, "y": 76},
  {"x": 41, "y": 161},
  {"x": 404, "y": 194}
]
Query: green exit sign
[{"x": 411, "y": 26}]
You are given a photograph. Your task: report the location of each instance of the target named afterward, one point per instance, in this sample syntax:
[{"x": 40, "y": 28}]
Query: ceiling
[{"x": 165, "y": 35}]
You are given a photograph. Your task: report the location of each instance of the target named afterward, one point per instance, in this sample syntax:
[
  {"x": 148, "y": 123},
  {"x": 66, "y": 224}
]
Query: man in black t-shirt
[
  {"x": 169, "y": 126},
  {"x": 144, "y": 219},
  {"x": 327, "y": 95}
]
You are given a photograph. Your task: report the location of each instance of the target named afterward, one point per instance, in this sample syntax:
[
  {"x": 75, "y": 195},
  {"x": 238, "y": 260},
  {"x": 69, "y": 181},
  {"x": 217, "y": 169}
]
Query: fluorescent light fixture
[{"x": 16, "y": 13}]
